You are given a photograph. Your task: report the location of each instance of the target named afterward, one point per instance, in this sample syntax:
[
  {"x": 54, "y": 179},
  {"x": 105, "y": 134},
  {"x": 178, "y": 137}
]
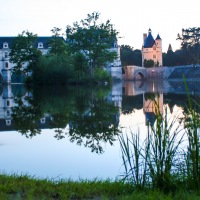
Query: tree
[
  {"x": 24, "y": 52},
  {"x": 57, "y": 43},
  {"x": 129, "y": 56},
  {"x": 148, "y": 63},
  {"x": 126, "y": 55},
  {"x": 190, "y": 44},
  {"x": 93, "y": 40}
]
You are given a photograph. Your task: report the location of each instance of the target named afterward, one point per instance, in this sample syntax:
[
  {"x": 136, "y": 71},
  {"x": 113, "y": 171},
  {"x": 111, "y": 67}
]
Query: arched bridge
[{"x": 133, "y": 72}]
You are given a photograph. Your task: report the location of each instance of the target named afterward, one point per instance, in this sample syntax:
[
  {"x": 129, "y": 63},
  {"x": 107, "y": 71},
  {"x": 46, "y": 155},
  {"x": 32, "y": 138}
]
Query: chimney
[{"x": 144, "y": 36}]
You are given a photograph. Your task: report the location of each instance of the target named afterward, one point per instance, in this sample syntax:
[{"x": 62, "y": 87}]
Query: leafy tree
[
  {"x": 148, "y": 63},
  {"x": 190, "y": 44},
  {"x": 126, "y": 55},
  {"x": 57, "y": 43},
  {"x": 137, "y": 57},
  {"x": 93, "y": 40},
  {"x": 24, "y": 52},
  {"x": 53, "y": 70},
  {"x": 129, "y": 56}
]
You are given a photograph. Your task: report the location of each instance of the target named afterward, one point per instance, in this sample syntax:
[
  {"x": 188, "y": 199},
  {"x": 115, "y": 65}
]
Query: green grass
[
  {"x": 15, "y": 187},
  {"x": 25, "y": 187}
]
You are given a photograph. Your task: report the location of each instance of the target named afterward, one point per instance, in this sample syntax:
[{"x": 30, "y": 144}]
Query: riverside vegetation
[{"x": 168, "y": 159}]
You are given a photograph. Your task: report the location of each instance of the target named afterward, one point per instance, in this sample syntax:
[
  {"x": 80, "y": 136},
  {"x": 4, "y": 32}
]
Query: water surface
[{"x": 72, "y": 132}]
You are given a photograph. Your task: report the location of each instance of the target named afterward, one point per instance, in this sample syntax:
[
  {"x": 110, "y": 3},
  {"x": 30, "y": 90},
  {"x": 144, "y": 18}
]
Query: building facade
[
  {"x": 152, "y": 49},
  {"x": 5, "y": 48},
  {"x": 42, "y": 44}
]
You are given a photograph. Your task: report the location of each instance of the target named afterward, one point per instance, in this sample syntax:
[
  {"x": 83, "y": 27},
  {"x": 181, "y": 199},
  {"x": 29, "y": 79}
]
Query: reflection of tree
[
  {"x": 26, "y": 116},
  {"x": 92, "y": 119},
  {"x": 130, "y": 103},
  {"x": 95, "y": 125}
]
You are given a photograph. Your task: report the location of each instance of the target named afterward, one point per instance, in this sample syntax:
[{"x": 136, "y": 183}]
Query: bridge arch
[{"x": 139, "y": 76}]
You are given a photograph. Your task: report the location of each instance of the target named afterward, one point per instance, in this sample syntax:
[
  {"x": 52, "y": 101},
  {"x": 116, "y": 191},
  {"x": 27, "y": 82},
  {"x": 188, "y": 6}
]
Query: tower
[{"x": 152, "y": 49}]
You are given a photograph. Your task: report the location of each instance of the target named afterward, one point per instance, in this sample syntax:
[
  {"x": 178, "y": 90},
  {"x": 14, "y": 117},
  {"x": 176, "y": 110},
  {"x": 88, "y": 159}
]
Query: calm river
[{"x": 72, "y": 132}]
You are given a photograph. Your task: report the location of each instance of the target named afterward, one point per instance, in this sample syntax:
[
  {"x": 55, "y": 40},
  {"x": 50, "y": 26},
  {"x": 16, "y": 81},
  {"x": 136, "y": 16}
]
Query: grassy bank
[{"x": 24, "y": 187}]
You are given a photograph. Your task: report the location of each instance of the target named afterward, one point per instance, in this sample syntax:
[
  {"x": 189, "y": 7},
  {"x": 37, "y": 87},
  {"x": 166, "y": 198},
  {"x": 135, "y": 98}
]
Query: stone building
[
  {"x": 5, "y": 48},
  {"x": 152, "y": 49}
]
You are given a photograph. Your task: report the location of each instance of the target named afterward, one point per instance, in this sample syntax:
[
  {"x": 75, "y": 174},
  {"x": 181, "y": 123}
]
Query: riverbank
[{"x": 25, "y": 187}]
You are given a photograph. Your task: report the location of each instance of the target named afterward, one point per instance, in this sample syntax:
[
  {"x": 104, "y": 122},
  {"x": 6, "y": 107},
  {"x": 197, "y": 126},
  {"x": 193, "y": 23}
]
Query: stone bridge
[{"x": 134, "y": 73}]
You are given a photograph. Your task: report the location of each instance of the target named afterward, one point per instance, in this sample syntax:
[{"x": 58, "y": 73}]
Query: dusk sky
[{"x": 131, "y": 18}]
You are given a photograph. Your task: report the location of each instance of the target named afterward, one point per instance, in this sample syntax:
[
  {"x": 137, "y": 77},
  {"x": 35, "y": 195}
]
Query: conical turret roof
[
  {"x": 158, "y": 37},
  {"x": 149, "y": 41}
]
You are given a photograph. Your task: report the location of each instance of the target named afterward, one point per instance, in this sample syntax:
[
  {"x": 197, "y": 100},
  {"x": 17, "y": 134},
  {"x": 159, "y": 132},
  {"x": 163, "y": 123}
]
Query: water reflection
[{"x": 86, "y": 116}]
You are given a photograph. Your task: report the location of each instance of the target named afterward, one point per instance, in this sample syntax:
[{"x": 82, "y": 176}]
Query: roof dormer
[
  {"x": 5, "y": 45},
  {"x": 40, "y": 45}
]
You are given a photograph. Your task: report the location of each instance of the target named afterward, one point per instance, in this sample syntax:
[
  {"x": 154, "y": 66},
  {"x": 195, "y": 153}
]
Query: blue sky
[{"x": 131, "y": 18}]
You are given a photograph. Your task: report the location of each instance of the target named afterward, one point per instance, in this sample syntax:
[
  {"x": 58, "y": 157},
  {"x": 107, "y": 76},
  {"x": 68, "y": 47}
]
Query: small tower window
[
  {"x": 8, "y": 103},
  {"x": 154, "y": 56},
  {"x": 40, "y": 45},
  {"x": 6, "y": 64},
  {"x": 5, "y": 45}
]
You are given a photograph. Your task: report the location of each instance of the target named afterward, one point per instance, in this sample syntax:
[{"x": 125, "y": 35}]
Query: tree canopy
[
  {"x": 93, "y": 40},
  {"x": 57, "y": 43},
  {"x": 129, "y": 56},
  {"x": 190, "y": 44},
  {"x": 23, "y": 52}
]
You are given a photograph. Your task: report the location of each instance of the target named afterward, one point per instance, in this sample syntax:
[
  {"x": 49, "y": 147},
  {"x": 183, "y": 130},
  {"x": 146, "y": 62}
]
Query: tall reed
[
  {"x": 153, "y": 163},
  {"x": 134, "y": 164},
  {"x": 192, "y": 154},
  {"x": 164, "y": 138}
]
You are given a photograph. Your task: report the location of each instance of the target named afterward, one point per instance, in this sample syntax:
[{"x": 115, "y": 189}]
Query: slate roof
[
  {"x": 43, "y": 39},
  {"x": 149, "y": 41},
  {"x": 150, "y": 118},
  {"x": 158, "y": 37},
  {"x": 6, "y": 39}
]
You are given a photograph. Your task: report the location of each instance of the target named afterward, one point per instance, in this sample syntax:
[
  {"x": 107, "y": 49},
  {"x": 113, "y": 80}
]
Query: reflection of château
[
  {"x": 152, "y": 106},
  {"x": 7, "y": 103},
  {"x": 10, "y": 92}
]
